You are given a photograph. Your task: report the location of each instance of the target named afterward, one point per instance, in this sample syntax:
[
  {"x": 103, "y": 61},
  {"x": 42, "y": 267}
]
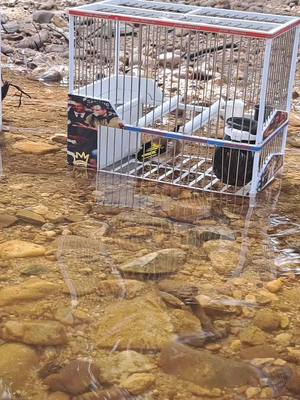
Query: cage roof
[{"x": 191, "y": 17}]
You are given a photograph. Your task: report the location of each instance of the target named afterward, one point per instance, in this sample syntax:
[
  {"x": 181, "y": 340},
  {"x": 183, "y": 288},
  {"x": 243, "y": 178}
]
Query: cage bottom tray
[{"x": 186, "y": 171}]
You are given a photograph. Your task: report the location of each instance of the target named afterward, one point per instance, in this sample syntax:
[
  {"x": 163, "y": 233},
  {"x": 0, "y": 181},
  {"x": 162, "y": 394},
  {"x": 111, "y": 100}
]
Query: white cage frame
[{"x": 266, "y": 27}]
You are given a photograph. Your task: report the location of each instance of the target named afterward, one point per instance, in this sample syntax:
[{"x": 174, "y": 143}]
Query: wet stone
[
  {"x": 127, "y": 324},
  {"x": 253, "y": 336},
  {"x": 22, "y": 357},
  {"x": 260, "y": 351},
  {"x": 31, "y": 217},
  {"x": 189, "y": 364},
  {"x": 7, "y": 220},
  {"x": 20, "y": 249},
  {"x": 39, "y": 148},
  {"x": 120, "y": 366},
  {"x": 138, "y": 383},
  {"x": 75, "y": 378},
  {"x": 267, "y": 320},
  {"x": 31, "y": 289},
  {"x": 42, "y": 333},
  {"x": 160, "y": 262}
]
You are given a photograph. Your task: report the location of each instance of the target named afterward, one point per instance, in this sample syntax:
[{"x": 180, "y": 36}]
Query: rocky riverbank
[{"x": 113, "y": 289}]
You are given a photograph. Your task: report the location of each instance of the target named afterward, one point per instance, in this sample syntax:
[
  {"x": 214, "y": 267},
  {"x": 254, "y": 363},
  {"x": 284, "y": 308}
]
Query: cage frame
[{"x": 287, "y": 23}]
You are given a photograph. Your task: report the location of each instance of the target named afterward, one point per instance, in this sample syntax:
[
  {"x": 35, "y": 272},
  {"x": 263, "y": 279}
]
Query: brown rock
[
  {"x": 294, "y": 383},
  {"x": 114, "y": 393},
  {"x": 205, "y": 369},
  {"x": 224, "y": 255},
  {"x": 31, "y": 217},
  {"x": 58, "y": 396},
  {"x": 160, "y": 262},
  {"x": 267, "y": 320},
  {"x": 138, "y": 383},
  {"x": 253, "y": 336},
  {"x": 75, "y": 378},
  {"x": 274, "y": 286},
  {"x": 20, "y": 249},
  {"x": 121, "y": 288},
  {"x": 141, "y": 323},
  {"x": 35, "y": 147},
  {"x": 187, "y": 212},
  {"x": 41, "y": 333},
  {"x": 17, "y": 363},
  {"x": 31, "y": 289},
  {"x": 260, "y": 351},
  {"x": 121, "y": 365},
  {"x": 185, "y": 322},
  {"x": 7, "y": 220}
]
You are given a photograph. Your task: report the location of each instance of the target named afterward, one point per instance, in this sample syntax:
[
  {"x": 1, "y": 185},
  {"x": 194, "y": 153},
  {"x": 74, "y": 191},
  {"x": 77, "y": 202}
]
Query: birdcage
[{"x": 191, "y": 96}]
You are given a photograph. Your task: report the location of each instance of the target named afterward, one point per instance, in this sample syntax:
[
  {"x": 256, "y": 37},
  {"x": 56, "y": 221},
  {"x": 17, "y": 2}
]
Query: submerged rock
[
  {"x": 7, "y": 220},
  {"x": 205, "y": 369},
  {"x": 141, "y": 323},
  {"x": 120, "y": 366},
  {"x": 138, "y": 383},
  {"x": 160, "y": 262},
  {"x": 75, "y": 378},
  {"x": 223, "y": 254},
  {"x": 41, "y": 333},
  {"x": 114, "y": 393},
  {"x": 31, "y": 289},
  {"x": 17, "y": 363},
  {"x": 20, "y": 249},
  {"x": 121, "y": 288},
  {"x": 35, "y": 147},
  {"x": 31, "y": 217},
  {"x": 267, "y": 320},
  {"x": 42, "y": 16},
  {"x": 253, "y": 336}
]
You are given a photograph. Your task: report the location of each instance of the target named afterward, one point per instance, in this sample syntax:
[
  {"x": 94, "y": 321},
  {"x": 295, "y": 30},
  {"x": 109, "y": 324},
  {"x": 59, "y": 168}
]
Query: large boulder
[
  {"x": 17, "y": 363},
  {"x": 141, "y": 323},
  {"x": 205, "y": 369}
]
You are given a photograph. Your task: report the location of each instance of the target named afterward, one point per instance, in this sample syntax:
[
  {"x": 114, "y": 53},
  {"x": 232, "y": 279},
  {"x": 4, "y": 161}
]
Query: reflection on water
[{"x": 121, "y": 289}]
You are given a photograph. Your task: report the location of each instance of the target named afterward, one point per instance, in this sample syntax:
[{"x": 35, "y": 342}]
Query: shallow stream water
[{"x": 114, "y": 289}]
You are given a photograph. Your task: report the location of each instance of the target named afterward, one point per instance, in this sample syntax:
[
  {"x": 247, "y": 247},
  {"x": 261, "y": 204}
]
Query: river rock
[
  {"x": 275, "y": 285},
  {"x": 58, "y": 396},
  {"x": 267, "y": 320},
  {"x": 218, "y": 305},
  {"x": 199, "y": 235},
  {"x": 20, "y": 249},
  {"x": 75, "y": 378},
  {"x": 185, "y": 322},
  {"x": 188, "y": 213},
  {"x": 39, "y": 148},
  {"x": 31, "y": 217},
  {"x": 160, "y": 262},
  {"x": 119, "y": 366},
  {"x": 260, "y": 351},
  {"x": 141, "y": 323},
  {"x": 92, "y": 229},
  {"x": 121, "y": 288},
  {"x": 17, "y": 363},
  {"x": 40, "y": 333},
  {"x": 7, "y": 220},
  {"x": 139, "y": 218},
  {"x": 223, "y": 254},
  {"x": 138, "y": 383},
  {"x": 294, "y": 383},
  {"x": 42, "y": 16},
  {"x": 114, "y": 393},
  {"x": 205, "y": 369},
  {"x": 31, "y": 289},
  {"x": 253, "y": 336}
]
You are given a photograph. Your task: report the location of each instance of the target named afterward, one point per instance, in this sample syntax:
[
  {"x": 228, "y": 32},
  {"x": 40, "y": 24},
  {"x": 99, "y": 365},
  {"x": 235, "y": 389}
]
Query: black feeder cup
[{"x": 234, "y": 166}]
